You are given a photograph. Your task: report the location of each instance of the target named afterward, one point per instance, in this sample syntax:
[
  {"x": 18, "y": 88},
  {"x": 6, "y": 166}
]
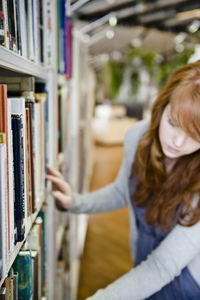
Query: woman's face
[{"x": 174, "y": 141}]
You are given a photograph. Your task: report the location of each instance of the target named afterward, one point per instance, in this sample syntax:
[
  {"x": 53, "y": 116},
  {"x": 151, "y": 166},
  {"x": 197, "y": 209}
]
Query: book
[
  {"x": 28, "y": 160},
  {"x": 5, "y": 127},
  {"x": 23, "y": 266},
  {"x": 23, "y": 28},
  {"x": 18, "y": 26},
  {"x": 4, "y": 249},
  {"x": 17, "y": 118},
  {"x": 29, "y": 26},
  {"x": 12, "y": 26},
  {"x": 2, "y": 293},
  {"x": 18, "y": 152},
  {"x": 9, "y": 288},
  {"x": 34, "y": 242},
  {"x": 35, "y": 272},
  {"x": 2, "y": 34},
  {"x": 43, "y": 246},
  {"x": 36, "y": 33},
  {"x": 6, "y": 28},
  {"x": 29, "y": 103}
]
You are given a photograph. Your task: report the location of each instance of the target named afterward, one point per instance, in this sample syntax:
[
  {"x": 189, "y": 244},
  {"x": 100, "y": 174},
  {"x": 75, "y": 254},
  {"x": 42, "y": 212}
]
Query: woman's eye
[{"x": 171, "y": 122}]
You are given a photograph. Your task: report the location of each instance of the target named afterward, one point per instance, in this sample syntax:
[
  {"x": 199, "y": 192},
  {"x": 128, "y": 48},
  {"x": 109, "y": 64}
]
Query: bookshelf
[
  {"x": 63, "y": 79},
  {"x": 14, "y": 65}
]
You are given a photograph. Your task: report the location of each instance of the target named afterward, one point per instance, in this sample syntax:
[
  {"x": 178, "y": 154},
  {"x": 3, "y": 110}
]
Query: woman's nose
[{"x": 179, "y": 139}]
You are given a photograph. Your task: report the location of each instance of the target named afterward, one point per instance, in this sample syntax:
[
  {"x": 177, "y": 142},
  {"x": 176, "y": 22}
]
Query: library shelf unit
[
  {"x": 72, "y": 160},
  {"x": 12, "y": 65}
]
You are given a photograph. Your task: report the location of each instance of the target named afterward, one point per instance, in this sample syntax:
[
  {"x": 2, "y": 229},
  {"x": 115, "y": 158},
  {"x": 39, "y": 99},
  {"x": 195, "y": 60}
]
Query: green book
[{"x": 23, "y": 266}]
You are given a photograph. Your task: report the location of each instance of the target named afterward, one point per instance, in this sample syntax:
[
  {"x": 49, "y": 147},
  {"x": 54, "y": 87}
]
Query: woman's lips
[{"x": 172, "y": 150}]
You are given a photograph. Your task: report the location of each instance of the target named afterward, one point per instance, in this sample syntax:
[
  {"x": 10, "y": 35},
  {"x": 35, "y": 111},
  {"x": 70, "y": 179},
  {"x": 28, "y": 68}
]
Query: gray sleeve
[
  {"x": 111, "y": 197},
  {"x": 174, "y": 253},
  {"x": 115, "y": 195}
]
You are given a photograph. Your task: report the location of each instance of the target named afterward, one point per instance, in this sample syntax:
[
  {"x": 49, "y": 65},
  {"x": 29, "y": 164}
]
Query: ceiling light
[
  {"x": 110, "y": 34},
  {"x": 179, "y": 48},
  {"x": 136, "y": 42},
  {"x": 194, "y": 26},
  {"x": 113, "y": 21},
  {"x": 179, "y": 38}
]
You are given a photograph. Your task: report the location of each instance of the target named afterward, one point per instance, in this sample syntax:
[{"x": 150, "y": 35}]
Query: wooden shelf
[{"x": 16, "y": 63}]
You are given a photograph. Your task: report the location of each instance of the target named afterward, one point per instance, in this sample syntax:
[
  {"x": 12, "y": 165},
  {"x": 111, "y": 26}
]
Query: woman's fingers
[
  {"x": 62, "y": 200},
  {"x": 60, "y": 184},
  {"x": 52, "y": 171}
]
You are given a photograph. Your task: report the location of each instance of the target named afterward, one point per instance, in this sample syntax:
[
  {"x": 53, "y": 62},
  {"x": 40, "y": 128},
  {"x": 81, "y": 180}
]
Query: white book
[
  {"x": 37, "y": 146},
  {"x": 3, "y": 208},
  {"x": 29, "y": 24},
  {"x": 23, "y": 28},
  {"x": 48, "y": 29},
  {"x": 36, "y": 33},
  {"x": 17, "y": 106},
  {"x": 11, "y": 178}
]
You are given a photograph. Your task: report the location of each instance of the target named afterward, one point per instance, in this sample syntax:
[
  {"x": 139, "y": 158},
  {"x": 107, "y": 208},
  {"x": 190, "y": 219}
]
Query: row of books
[
  {"x": 25, "y": 28},
  {"x": 64, "y": 38},
  {"x": 27, "y": 277},
  {"x": 23, "y": 156}
]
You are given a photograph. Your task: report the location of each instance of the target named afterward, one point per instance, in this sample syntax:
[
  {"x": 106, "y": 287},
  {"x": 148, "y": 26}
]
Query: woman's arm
[
  {"x": 166, "y": 262},
  {"x": 115, "y": 195}
]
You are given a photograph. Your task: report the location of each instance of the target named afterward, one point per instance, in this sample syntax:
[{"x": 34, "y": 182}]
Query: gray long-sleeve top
[{"x": 179, "y": 249}]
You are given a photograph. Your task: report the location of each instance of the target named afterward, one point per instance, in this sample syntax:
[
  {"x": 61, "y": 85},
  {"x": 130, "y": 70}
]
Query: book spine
[
  {"x": 2, "y": 35},
  {"x": 18, "y": 26},
  {"x": 3, "y": 207},
  {"x": 6, "y": 28},
  {"x": 18, "y": 176},
  {"x": 11, "y": 190},
  {"x": 23, "y": 28}
]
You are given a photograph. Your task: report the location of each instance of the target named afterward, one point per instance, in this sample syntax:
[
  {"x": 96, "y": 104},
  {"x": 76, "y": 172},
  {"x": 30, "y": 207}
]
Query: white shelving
[
  {"x": 12, "y": 61},
  {"x": 29, "y": 224}
]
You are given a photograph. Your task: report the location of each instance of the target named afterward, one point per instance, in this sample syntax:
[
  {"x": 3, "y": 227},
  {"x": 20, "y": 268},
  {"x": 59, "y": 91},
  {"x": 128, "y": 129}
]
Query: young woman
[{"x": 160, "y": 182}]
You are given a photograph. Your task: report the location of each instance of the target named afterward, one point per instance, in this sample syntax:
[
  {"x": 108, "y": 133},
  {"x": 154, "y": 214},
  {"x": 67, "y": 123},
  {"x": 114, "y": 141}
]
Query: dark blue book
[{"x": 18, "y": 160}]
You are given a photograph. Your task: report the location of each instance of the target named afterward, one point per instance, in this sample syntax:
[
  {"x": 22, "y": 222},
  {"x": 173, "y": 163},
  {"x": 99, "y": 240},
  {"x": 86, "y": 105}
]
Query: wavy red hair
[{"x": 168, "y": 197}]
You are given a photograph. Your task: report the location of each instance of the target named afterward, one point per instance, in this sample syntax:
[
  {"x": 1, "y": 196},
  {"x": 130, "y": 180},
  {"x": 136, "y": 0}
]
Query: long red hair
[{"x": 169, "y": 197}]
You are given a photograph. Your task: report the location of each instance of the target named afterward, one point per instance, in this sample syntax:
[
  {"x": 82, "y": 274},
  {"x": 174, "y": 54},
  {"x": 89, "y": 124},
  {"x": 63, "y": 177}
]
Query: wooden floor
[{"x": 107, "y": 253}]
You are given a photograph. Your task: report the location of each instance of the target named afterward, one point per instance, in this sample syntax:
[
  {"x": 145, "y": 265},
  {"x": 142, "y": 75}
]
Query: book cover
[
  {"x": 34, "y": 243},
  {"x": 29, "y": 26},
  {"x": 36, "y": 33},
  {"x": 4, "y": 250},
  {"x": 42, "y": 216},
  {"x": 36, "y": 278},
  {"x": 12, "y": 25},
  {"x": 18, "y": 176},
  {"x": 6, "y": 29},
  {"x": 41, "y": 30},
  {"x": 2, "y": 34},
  {"x": 48, "y": 29},
  {"x": 23, "y": 266},
  {"x": 28, "y": 160},
  {"x": 5, "y": 126},
  {"x": 18, "y": 26},
  {"x": 41, "y": 98},
  {"x": 9, "y": 288},
  {"x": 23, "y": 27},
  {"x": 18, "y": 107}
]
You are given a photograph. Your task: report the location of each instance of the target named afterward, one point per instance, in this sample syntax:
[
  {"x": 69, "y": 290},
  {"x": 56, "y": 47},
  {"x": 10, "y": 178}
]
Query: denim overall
[{"x": 183, "y": 287}]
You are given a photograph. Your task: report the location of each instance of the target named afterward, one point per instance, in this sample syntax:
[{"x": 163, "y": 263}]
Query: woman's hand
[{"x": 61, "y": 190}]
